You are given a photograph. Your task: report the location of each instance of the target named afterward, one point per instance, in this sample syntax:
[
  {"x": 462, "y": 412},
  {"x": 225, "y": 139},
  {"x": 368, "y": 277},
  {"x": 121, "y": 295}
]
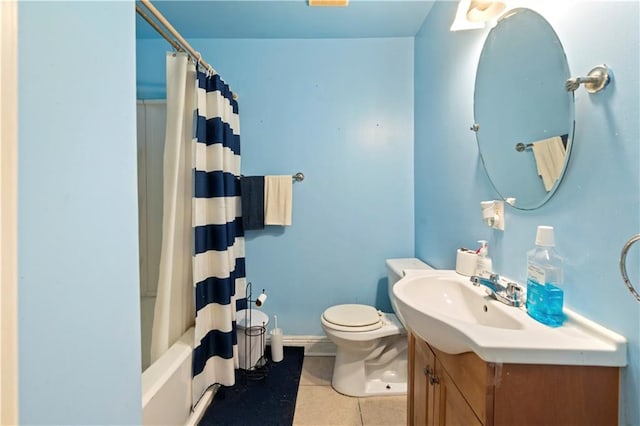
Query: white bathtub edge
[
  {"x": 159, "y": 372},
  {"x": 201, "y": 406}
]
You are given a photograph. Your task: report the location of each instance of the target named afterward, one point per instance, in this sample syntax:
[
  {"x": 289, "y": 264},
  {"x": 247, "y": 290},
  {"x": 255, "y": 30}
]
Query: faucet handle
[
  {"x": 513, "y": 288},
  {"x": 514, "y": 292}
]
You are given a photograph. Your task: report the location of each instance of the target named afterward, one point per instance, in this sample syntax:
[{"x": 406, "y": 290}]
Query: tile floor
[{"x": 319, "y": 405}]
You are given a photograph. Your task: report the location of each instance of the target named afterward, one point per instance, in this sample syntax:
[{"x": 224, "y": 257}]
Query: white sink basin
[{"x": 447, "y": 311}]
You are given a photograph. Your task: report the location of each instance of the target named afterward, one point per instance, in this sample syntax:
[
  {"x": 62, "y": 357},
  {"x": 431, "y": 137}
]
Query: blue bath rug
[{"x": 267, "y": 401}]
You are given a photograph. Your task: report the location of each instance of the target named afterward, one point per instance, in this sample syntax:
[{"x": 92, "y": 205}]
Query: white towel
[
  {"x": 549, "y": 155},
  {"x": 278, "y": 195}
]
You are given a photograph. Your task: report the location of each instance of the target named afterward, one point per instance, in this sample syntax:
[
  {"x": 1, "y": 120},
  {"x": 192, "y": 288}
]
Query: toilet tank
[{"x": 395, "y": 271}]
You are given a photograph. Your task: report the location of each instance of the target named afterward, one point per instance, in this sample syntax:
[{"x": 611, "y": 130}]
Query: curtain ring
[{"x": 197, "y": 59}]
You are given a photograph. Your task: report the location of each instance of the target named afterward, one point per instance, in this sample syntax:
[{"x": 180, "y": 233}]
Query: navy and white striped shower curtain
[{"x": 218, "y": 262}]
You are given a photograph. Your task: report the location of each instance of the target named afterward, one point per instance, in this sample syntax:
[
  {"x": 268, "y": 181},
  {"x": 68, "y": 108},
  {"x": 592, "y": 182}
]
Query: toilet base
[{"x": 379, "y": 373}]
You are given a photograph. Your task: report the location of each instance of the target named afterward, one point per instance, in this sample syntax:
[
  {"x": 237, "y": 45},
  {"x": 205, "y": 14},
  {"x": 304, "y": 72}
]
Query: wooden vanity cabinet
[
  {"x": 419, "y": 391},
  {"x": 464, "y": 390}
]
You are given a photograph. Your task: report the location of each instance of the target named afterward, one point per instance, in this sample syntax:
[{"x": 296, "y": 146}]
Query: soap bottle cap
[
  {"x": 544, "y": 236},
  {"x": 484, "y": 248}
]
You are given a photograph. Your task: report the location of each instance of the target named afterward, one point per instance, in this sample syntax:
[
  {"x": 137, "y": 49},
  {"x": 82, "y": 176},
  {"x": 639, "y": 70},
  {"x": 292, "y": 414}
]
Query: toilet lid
[{"x": 352, "y": 315}]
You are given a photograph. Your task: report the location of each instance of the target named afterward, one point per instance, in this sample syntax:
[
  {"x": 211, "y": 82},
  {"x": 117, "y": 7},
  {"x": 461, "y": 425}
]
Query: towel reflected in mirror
[{"x": 550, "y": 156}]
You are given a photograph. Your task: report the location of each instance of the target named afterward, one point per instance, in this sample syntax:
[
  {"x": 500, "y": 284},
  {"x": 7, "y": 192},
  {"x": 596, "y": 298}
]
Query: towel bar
[
  {"x": 521, "y": 147},
  {"x": 298, "y": 177}
]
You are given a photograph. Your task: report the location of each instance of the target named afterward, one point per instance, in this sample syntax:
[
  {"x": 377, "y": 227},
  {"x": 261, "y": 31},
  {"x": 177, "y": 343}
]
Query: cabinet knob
[
  {"x": 429, "y": 372},
  {"x": 433, "y": 379}
]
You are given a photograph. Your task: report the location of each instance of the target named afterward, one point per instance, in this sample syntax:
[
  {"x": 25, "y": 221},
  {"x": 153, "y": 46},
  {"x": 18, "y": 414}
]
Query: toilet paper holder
[{"x": 259, "y": 370}]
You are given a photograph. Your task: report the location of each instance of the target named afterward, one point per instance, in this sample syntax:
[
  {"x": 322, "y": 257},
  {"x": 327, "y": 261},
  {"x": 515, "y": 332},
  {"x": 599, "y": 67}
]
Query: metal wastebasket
[{"x": 251, "y": 333}]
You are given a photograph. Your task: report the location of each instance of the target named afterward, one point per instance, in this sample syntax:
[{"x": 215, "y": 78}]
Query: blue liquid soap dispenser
[{"x": 545, "y": 297}]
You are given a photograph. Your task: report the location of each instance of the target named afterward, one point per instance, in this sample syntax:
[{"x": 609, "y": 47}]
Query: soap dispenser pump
[{"x": 484, "y": 267}]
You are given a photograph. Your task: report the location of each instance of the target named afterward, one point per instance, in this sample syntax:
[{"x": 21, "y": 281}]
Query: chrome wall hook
[{"x": 597, "y": 79}]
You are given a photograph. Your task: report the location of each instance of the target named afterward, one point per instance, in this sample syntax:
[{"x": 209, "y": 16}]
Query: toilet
[{"x": 371, "y": 346}]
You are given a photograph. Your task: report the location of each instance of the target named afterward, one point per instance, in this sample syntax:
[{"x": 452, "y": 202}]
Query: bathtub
[{"x": 166, "y": 387}]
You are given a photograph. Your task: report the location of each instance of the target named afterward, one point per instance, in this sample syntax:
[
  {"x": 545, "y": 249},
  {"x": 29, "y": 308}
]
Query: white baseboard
[{"x": 313, "y": 345}]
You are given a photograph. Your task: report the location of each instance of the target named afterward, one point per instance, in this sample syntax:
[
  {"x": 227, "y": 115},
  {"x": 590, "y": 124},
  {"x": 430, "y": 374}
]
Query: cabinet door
[
  {"x": 421, "y": 392},
  {"x": 557, "y": 395},
  {"x": 451, "y": 409},
  {"x": 473, "y": 378}
]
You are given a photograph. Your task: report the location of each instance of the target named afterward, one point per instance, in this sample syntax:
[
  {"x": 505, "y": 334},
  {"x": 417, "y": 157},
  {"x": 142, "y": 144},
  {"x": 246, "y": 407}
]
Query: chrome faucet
[{"x": 511, "y": 294}]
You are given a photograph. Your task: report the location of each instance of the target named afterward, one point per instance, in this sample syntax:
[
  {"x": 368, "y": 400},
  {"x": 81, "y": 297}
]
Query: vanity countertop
[{"x": 448, "y": 312}]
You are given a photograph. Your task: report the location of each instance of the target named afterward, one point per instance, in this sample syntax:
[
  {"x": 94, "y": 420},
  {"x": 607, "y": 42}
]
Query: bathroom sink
[
  {"x": 446, "y": 310},
  {"x": 455, "y": 300}
]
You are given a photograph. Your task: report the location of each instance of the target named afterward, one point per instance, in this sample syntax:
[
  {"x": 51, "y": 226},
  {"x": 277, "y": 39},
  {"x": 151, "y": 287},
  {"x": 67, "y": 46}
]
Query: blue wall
[
  {"x": 597, "y": 207},
  {"x": 78, "y": 307},
  {"x": 341, "y": 112}
]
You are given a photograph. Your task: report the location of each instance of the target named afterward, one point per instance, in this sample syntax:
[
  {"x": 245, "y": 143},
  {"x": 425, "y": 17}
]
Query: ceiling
[{"x": 289, "y": 19}]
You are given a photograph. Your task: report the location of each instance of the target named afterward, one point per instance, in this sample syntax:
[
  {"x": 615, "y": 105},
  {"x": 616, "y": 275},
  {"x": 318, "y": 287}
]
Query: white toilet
[{"x": 371, "y": 346}]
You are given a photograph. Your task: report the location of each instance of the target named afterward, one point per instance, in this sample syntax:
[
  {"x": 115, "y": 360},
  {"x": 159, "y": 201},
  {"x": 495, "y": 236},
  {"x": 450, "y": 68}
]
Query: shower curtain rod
[
  {"x": 158, "y": 29},
  {"x": 179, "y": 43}
]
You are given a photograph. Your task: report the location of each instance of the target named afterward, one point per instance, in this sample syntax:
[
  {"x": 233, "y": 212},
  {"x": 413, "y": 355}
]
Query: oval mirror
[{"x": 523, "y": 112}]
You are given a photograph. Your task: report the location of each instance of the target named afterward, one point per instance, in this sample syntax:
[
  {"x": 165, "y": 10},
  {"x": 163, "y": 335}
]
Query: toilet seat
[{"x": 352, "y": 317}]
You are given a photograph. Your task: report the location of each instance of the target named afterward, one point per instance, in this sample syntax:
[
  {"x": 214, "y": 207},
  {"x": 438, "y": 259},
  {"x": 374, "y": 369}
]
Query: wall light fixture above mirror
[
  {"x": 483, "y": 11},
  {"x": 474, "y": 14}
]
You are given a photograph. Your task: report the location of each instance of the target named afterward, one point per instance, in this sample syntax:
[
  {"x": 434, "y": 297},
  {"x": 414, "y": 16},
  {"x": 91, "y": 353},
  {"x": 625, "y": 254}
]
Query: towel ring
[{"x": 623, "y": 266}]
